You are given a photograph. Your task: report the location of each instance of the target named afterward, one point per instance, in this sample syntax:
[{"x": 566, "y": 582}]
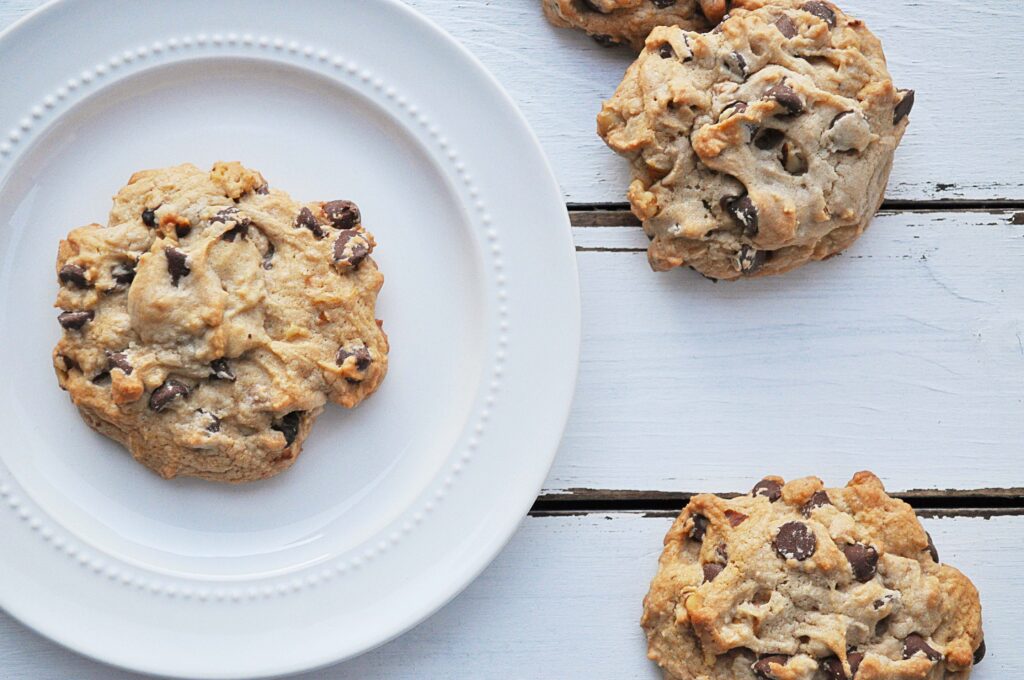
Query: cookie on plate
[
  {"x": 760, "y": 146},
  {"x": 799, "y": 582},
  {"x": 611, "y": 22},
  {"x": 207, "y": 325}
]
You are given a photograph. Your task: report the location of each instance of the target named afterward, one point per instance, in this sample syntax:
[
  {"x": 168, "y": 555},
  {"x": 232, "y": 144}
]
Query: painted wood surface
[
  {"x": 563, "y": 601},
  {"x": 903, "y": 355},
  {"x": 964, "y": 140}
]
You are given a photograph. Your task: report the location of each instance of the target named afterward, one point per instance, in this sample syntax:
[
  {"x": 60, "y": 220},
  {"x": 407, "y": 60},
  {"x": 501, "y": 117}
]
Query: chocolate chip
[
  {"x": 931, "y": 548},
  {"x": 342, "y": 214},
  {"x": 665, "y": 51},
  {"x": 306, "y": 219},
  {"x": 220, "y": 369},
  {"x": 863, "y": 560},
  {"x": 263, "y": 189},
  {"x": 833, "y": 667},
  {"x": 182, "y": 230},
  {"x": 149, "y": 218},
  {"x": 166, "y": 393},
  {"x": 722, "y": 553},
  {"x": 119, "y": 360},
  {"x": 979, "y": 653},
  {"x": 903, "y": 106},
  {"x": 822, "y": 11},
  {"x": 817, "y": 500},
  {"x": 915, "y": 644},
  {"x": 731, "y": 110},
  {"x": 288, "y": 425},
  {"x": 750, "y": 259},
  {"x": 786, "y": 26},
  {"x": 123, "y": 274},
  {"x": 735, "y": 518},
  {"x": 214, "y": 425},
  {"x": 662, "y": 4},
  {"x": 700, "y": 527},
  {"x": 743, "y": 211},
  {"x": 177, "y": 265},
  {"x": 73, "y": 274},
  {"x": 762, "y": 668},
  {"x": 795, "y": 541},
  {"x": 735, "y": 62},
  {"x": 837, "y": 118},
  {"x": 792, "y": 159},
  {"x": 232, "y": 214},
  {"x": 605, "y": 40},
  {"x": 768, "y": 138},
  {"x": 711, "y": 570},
  {"x": 75, "y": 319},
  {"x": 350, "y": 249},
  {"x": 768, "y": 488},
  {"x": 786, "y": 97},
  {"x": 362, "y": 355},
  {"x": 268, "y": 256}
]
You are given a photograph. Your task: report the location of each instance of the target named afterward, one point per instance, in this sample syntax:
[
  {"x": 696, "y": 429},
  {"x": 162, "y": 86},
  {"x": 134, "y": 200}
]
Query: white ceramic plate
[{"x": 393, "y": 507}]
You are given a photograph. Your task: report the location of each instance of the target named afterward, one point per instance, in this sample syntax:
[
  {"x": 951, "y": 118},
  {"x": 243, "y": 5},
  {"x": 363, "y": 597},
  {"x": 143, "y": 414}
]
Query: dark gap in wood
[{"x": 982, "y": 502}]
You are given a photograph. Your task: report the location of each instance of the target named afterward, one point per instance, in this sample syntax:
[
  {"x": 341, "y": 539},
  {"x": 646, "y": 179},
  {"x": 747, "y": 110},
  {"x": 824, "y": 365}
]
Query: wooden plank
[
  {"x": 904, "y": 356},
  {"x": 563, "y": 601},
  {"x": 964, "y": 140}
]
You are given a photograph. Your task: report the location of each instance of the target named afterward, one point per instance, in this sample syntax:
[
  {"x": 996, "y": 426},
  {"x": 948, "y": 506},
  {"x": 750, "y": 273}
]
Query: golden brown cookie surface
[{"x": 207, "y": 325}]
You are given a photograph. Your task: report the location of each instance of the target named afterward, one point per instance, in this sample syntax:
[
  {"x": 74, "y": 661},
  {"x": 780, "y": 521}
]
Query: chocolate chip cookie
[
  {"x": 799, "y": 582},
  {"x": 207, "y": 325},
  {"x": 760, "y": 146},
  {"x": 611, "y": 22}
]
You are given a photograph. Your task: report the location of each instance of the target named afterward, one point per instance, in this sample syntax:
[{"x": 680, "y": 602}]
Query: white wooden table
[{"x": 903, "y": 356}]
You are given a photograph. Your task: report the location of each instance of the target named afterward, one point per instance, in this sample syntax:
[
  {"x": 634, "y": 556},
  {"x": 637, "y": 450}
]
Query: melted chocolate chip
[
  {"x": 307, "y": 220},
  {"x": 786, "y": 26},
  {"x": 149, "y": 217},
  {"x": 833, "y": 667},
  {"x": 915, "y": 644},
  {"x": 732, "y": 109},
  {"x": 288, "y": 425},
  {"x": 768, "y": 488},
  {"x": 605, "y": 40},
  {"x": 220, "y": 369},
  {"x": 700, "y": 527},
  {"x": 73, "y": 274},
  {"x": 177, "y": 265},
  {"x": 744, "y": 211},
  {"x": 342, "y": 214},
  {"x": 768, "y": 138},
  {"x": 931, "y": 548},
  {"x": 74, "y": 320},
  {"x": 214, "y": 425},
  {"x": 665, "y": 51},
  {"x": 241, "y": 227},
  {"x": 838, "y": 117},
  {"x": 123, "y": 274},
  {"x": 119, "y": 360},
  {"x": 863, "y": 561},
  {"x": 795, "y": 541},
  {"x": 735, "y": 62},
  {"x": 792, "y": 159},
  {"x": 350, "y": 249},
  {"x": 735, "y": 518},
  {"x": 711, "y": 570},
  {"x": 786, "y": 97},
  {"x": 979, "y": 653},
  {"x": 903, "y": 106},
  {"x": 268, "y": 256},
  {"x": 361, "y": 354},
  {"x": 182, "y": 230},
  {"x": 751, "y": 260},
  {"x": 822, "y": 11},
  {"x": 854, "y": 659},
  {"x": 166, "y": 393},
  {"x": 762, "y": 667},
  {"x": 662, "y": 4},
  {"x": 817, "y": 500}
]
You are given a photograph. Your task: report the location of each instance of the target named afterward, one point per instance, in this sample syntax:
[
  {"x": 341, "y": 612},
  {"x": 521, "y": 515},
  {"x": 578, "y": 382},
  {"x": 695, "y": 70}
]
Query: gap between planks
[{"x": 983, "y": 503}]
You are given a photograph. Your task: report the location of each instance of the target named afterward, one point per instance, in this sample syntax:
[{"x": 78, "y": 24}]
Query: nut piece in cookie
[
  {"x": 760, "y": 146},
  {"x": 798, "y": 582},
  {"x": 209, "y": 323}
]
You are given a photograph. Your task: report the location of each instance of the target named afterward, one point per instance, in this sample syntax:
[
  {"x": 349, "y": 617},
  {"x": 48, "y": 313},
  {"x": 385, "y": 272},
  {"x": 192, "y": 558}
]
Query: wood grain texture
[
  {"x": 904, "y": 355},
  {"x": 964, "y": 139},
  {"x": 563, "y": 601}
]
